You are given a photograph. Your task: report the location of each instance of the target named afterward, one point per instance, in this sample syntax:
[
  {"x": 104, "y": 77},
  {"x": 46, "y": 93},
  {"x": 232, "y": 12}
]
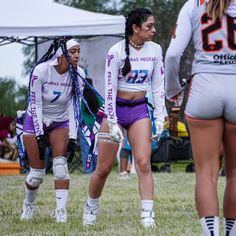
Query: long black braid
[
  {"x": 47, "y": 56},
  {"x": 137, "y": 17}
]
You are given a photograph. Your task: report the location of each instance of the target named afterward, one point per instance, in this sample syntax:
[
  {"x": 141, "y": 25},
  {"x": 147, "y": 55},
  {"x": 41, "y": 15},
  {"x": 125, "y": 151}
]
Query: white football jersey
[{"x": 214, "y": 42}]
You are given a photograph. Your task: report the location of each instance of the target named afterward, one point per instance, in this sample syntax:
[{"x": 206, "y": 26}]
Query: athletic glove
[
  {"x": 159, "y": 127},
  {"x": 115, "y": 130},
  {"x": 70, "y": 152},
  {"x": 41, "y": 140}
]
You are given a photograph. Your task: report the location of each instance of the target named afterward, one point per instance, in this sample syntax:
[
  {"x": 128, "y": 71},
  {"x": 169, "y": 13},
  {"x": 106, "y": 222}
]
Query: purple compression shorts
[
  {"x": 129, "y": 111},
  {"x": 28, "y": 126}
]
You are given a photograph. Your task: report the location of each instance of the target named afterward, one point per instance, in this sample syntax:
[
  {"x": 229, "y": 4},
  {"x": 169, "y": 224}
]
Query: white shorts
[{"x": 212, "y": 96}]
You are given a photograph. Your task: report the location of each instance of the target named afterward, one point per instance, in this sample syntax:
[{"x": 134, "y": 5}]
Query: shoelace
[
  {"x": 29, "y": 209},
  {"x": 58, "y": 213}
]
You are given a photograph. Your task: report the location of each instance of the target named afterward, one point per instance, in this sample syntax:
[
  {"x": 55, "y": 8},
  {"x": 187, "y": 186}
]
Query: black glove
[
  {"x": 70, "y": 152},
  {"x": 41, "y": 140}
]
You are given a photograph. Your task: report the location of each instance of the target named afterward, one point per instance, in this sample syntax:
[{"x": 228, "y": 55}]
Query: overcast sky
[{"x": 11, "y": 63}]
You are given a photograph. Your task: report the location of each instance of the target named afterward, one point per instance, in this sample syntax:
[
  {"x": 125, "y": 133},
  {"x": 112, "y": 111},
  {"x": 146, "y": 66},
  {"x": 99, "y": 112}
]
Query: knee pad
[
  {"x": 60, "y": 168},
  {"x": 35, "y": 177}
]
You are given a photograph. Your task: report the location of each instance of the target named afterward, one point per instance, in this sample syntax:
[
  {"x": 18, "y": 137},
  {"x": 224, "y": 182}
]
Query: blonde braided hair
[{"x": 216, "y": 8}]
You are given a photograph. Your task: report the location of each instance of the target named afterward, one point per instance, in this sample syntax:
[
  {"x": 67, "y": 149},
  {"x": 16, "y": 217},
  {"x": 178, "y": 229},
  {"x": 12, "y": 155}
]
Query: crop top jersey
[
  {"x": 214, "y": 43},
  {"x": 51, "y": 98},
  {"x": 146, "y": 70}
]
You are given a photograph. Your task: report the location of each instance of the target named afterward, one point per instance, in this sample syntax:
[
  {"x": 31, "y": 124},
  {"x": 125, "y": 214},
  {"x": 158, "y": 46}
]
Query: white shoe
[
  {"x": 27, "y": 211},
  {"x": 60, "y": 215},
  {"x": 90, "y": 215},
  {"x": 147, "y": 219},
  {"x": 124, "y": 175}
]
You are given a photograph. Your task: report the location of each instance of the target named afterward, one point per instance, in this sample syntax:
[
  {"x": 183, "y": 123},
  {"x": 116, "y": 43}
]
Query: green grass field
[{"x": 120, "y": 207}]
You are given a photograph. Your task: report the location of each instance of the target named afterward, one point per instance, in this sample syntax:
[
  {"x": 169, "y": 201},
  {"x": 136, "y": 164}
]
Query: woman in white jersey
[
  {"x": 55, "y": 89},
  {"x": 211, "y": 107},
  {"x": 132, "y": 65}
]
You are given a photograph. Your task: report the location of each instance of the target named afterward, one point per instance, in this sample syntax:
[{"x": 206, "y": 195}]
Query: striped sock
[
  {"x": 210, "y": 225},
  {"x": 229, "y": 227}
]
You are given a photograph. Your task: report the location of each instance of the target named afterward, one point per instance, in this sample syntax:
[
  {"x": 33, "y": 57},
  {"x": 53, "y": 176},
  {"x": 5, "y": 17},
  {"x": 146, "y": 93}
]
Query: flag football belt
[{"x": 131, "y": 103}]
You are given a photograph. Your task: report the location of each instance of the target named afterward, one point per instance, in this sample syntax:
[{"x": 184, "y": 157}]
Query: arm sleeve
[
  {"x": 111, "y": 77},
  {"x": 157, "y": 88},
  {"x": 36, "y": 86},
  {"x": 179, "y": 42}
]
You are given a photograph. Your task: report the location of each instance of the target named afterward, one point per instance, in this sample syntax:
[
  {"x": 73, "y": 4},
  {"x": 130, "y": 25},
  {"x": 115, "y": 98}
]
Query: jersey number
[
  {"x": 218, "y": 44},
  {"x": 57, "y": 95},
  {"x": 137, "y": 76}
]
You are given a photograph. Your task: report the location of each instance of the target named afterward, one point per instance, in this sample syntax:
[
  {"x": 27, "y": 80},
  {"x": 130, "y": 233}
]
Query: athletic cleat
[
  {"x": 27, "y": 211},
  {"x": 147, "y": 219},
  {"x": 90, "y": 215},
  {"x": 60, "y": 215},
  {"x": 124, "y": 175}
]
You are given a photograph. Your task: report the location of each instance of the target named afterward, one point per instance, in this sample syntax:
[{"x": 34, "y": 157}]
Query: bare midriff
[{"x": 131, "y": 95}]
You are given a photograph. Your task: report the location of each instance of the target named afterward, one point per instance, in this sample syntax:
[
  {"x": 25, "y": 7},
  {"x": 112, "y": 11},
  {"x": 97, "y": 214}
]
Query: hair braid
[
  {"x": 127, "y": 66},
  {"x": 216, "y": 8},
  {"x": 47, "y": 56},
  {"x": 76, "y": 90}
]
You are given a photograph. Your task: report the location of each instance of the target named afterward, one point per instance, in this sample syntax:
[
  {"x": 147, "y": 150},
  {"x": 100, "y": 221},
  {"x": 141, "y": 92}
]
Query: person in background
[
  {"x": 7, "y": 129},
  {"x": 55, "y": 90},
  {"x": 211, "y": 108},
  {"x": 126, "y": 158},
  {"x": 8, "y": 139},
  {"x": 132, "y": 66}
]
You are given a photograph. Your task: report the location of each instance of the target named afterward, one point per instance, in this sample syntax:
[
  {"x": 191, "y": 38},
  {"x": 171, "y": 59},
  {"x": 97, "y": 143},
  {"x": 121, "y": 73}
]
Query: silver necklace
[{"x": 134, "y": 45}]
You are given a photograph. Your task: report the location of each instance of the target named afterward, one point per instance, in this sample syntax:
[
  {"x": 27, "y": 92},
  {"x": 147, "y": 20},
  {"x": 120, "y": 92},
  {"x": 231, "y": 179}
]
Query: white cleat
[
  {"x": 90, "y": 215},
  {"x": 60, "y": 215},
  {"x": 27, "y": 211},
  {"x": 124, "y": 175},
  {"x": 147, "y": 219}
]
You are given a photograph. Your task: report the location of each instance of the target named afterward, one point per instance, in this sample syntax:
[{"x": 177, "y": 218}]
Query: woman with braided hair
[
  {"x": 132, "y": 65},
  {"x": 55, "y": 90},
  {"x": 211, "y": 108}
]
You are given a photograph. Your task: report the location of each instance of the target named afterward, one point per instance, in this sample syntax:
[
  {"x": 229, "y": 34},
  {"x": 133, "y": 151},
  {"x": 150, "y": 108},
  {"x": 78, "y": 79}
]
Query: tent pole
[{"x": 36, "y": 48}]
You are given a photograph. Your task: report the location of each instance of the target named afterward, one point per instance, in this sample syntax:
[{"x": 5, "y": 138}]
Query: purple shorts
[
  {"x": 28, "y": 126},
  {"x": 134, "y": 110}
]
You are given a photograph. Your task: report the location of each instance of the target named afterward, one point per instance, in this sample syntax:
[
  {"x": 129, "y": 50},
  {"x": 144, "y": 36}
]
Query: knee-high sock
[
  {"x": 229, "y": 227},
  {"x": 62, "y": 198},
  {"x": 210, "y": 225}
]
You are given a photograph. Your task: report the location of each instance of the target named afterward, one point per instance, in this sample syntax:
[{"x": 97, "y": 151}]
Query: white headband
[{"x": 69, "y": 44}]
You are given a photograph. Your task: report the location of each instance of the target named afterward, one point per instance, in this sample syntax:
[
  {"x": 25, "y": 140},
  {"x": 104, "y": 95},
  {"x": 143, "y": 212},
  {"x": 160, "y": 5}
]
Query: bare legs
[
  {"x": 206, "y": 136},
  {"x": 206, "y": 139}
]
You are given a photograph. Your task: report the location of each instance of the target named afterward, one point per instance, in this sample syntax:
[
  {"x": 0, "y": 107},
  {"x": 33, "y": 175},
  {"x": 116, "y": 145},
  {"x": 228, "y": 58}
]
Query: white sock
[
  {"x": 92, "y": 202},
  {"x": 61, "y": 197},
  {"x": 210, "y": 225},
  {"x": 30, "y": 195},
  {"x": 229, "y": 227},
  {"x": 147, "y": 205}
]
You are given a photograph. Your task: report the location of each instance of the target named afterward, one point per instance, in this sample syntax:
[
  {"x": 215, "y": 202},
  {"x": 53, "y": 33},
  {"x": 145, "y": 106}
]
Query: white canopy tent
[
  {"x": 34, "y": 22},
  {"x": 46, "y": 18}
]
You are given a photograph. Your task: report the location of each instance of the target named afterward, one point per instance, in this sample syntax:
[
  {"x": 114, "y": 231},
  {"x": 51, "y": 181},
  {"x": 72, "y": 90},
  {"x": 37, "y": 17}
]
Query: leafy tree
[{"x": 12, "y": 97}]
